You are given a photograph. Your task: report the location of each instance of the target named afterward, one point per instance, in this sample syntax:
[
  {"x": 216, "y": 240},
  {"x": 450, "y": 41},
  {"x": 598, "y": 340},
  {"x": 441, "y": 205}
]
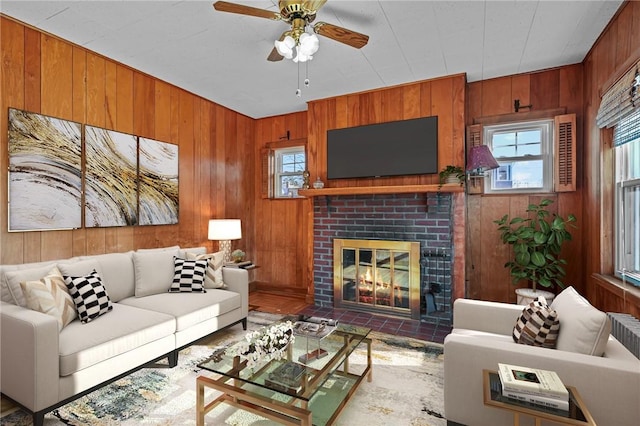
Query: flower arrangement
[{"x": 265, "y": 344}]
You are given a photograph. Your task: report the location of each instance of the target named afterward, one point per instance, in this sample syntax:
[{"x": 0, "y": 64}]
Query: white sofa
[
  {"x": 482, "y": 337},
  {"x": 43, "y": 368}
]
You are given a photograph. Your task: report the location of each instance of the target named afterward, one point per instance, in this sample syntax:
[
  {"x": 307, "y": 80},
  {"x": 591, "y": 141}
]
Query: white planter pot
[{"x": 524, "y": 296}]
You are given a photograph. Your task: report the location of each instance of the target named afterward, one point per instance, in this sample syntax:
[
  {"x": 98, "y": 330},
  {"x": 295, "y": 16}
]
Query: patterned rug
[{"x": 407, "y": 389}]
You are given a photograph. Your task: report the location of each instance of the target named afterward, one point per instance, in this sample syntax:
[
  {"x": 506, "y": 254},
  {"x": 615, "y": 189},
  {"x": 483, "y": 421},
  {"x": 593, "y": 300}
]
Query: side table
[{"x": 578, "y": 415}]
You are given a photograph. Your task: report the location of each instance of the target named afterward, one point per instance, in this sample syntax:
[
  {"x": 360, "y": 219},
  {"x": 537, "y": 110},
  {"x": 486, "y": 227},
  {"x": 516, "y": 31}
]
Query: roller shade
[
  {"x": 621, "y": 99},
  {"x": 627, "y": 129}
]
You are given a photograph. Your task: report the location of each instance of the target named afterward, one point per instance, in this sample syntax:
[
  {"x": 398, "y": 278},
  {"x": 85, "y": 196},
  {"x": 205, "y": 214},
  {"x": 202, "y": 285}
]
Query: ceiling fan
[{"x": 299, "y": 14}]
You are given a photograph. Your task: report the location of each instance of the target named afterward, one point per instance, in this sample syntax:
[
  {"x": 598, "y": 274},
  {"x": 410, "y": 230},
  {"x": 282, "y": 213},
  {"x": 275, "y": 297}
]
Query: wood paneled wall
[
  {"x": 279, "y": 234},
  {"x": 610, "y": 57},
  {"x": 47, "y": 75},
  {"x": 560, "y": 88},
  {"x": 286, "y": 245}
]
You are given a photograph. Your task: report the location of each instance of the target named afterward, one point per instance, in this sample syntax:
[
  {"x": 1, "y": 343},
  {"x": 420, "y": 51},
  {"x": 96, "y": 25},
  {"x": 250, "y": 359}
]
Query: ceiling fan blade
[
  {"x": 342, "y": 35},
  {"x": 312, "y": 6},
  {"x": 223, "y": 6},
  {"x": 274, "y": 56}
]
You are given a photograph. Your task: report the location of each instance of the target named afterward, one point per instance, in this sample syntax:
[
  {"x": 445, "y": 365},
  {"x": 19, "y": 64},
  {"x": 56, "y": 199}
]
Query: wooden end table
[{"x": 578, "y": 415}]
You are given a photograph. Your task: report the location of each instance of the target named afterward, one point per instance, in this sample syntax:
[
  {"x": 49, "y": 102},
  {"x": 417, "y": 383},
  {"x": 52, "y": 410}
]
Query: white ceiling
[{"x": 222, "y": 56}]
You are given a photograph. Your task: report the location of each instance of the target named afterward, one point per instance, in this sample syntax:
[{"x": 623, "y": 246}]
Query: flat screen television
[{"x": 395, "y": 148}]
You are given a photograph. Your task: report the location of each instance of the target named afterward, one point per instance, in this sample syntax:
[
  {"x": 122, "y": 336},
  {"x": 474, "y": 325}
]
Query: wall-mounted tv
[{"x": 395, "y": 148}]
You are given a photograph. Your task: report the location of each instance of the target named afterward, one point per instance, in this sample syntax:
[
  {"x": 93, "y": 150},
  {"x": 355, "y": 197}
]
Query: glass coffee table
[{"x": 299, "y": 389}]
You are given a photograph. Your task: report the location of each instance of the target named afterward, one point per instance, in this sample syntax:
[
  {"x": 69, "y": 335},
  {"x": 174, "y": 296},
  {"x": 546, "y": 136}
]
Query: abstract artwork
[
  {"x": 111, "y": 178},
  {"x": 45, "y": 172},
  {"x": 158, "y": 182}
]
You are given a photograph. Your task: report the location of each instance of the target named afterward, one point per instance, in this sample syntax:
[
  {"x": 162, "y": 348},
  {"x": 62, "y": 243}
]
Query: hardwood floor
[{"x": 276, "y": 303}]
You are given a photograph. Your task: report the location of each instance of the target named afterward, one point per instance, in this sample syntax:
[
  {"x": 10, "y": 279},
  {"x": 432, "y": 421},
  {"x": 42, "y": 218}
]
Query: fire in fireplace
[{"x": 377, "y": 276}]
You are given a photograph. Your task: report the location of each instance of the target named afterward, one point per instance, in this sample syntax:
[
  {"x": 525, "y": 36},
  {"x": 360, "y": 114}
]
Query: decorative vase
[
  {"x": 318, "y": 184},
  {"x": 524, "y": 296}
]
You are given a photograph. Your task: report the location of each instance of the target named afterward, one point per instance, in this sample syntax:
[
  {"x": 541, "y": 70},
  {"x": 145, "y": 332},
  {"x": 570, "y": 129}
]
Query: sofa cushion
[
  {"x": 538, "y": 325},
  {"x": 213, "y": 278},
  {"x": 188, "y": 275},
  {"x": 89, "y": 295},
  {"x": 154, "y": 271},
  {"x": 117, "y": 272},
  {"x": 50, "y": 296},
  {"x": 189, "y": 308},
  {"x": 583, "y": 328},
  {"x": 125, "y": 329}
]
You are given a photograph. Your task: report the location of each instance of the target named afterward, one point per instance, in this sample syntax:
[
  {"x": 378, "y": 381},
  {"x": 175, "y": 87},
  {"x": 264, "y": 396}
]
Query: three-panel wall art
[{"x": 65, "y": 175}]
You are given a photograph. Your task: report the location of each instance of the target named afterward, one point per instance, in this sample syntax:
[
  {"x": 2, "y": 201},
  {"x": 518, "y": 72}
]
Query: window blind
[
  {"x": 621, "y": 99},
  {"x": 627, "y": 129}
]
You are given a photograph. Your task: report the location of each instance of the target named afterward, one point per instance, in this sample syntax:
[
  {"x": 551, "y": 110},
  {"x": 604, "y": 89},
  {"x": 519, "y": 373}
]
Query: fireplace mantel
[{"x": 395, "y": 189}]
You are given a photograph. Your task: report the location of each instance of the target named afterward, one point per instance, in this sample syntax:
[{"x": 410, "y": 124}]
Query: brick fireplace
[{"x": 428, "y": 218}]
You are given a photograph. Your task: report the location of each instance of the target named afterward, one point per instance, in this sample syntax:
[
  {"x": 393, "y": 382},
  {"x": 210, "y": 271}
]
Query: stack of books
[
  {"x": 245, "y": 264},
  {"x": 539, "y": 387},
  {"x": 288, "y": 377}
]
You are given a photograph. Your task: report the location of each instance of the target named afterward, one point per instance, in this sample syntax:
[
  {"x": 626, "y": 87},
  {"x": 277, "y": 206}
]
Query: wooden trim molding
[
  {"x": 393, "y": 189},
  {"x": 519, "y": 116}
]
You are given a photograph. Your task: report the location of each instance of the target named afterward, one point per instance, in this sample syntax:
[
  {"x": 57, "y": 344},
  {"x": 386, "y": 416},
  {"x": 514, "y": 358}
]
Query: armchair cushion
[
  {"x": 538, "y": 325},
  {"x": 583, "y": 328}
]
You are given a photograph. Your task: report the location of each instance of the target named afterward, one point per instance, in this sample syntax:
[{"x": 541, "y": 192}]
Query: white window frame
[
  {"x": 278, "y": 154},
  {"x": 627, "y": 207},
  {"x": 546, "y": 128}
]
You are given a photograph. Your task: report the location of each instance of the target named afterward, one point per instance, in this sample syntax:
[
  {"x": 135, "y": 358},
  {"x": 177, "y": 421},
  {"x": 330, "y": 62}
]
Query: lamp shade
[
  {"x": 480, "y": 159},
  {"x": 225, "y": 229}
]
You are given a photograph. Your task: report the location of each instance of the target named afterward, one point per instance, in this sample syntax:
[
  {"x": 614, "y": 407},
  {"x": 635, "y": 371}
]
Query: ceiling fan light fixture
[{"x": 285, "y": 47}]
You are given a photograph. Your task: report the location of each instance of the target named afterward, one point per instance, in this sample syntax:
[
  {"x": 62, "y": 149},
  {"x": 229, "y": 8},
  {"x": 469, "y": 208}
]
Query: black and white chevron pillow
[
  {"x": 89, "y": 295},
  {"x": 188, "y": 275}
]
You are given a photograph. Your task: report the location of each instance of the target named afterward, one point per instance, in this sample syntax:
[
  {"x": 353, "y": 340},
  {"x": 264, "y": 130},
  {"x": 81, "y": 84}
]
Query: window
[
  {"x": 627, "y": 201},
  {"x": 290, "y": 164},
  {"x": 525, "y": 155}
]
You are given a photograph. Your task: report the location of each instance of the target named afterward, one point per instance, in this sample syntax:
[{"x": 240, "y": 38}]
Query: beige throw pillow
[
  {"x": 584, "y": 329},
  {"x": 213, "y": 278},
  {"x": 50, "y": 296}
]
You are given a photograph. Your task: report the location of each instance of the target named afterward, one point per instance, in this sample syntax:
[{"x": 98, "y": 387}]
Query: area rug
[{"x": 407, "y": 389}]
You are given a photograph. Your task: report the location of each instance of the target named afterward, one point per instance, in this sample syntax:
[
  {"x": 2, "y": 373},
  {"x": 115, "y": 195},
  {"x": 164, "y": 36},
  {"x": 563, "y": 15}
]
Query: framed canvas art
[
  {"x": 158, "y": 182},
  {"x": 111, "y": 178},
  {"x": 45, "y": 172}
]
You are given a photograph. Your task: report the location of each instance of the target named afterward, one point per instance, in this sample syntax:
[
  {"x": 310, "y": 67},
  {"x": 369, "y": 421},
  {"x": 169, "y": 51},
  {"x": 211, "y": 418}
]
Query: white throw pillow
[
  {"x": 15, "y": 277},
  {"x": 154, "y": 271},
  {"x": 213, "y": 278},
  {"x": 583, "y": 328}
]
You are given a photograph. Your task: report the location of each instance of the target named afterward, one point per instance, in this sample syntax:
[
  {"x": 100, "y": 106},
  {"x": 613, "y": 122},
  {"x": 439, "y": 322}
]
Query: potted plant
[
  {"x": 536, "y": 240},
  {"x": 451, "y": 174}
]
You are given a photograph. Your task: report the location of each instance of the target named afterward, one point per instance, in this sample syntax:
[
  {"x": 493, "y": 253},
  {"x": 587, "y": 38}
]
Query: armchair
[{"x": 481, "y": 338}]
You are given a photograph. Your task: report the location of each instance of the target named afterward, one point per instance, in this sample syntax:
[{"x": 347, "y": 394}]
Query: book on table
[
  {"x": 246, "y": 264},
  {"x": 287, "y": 377},
  {"x": 558, "y": 404},
  {"x": 534, "y": 382}
]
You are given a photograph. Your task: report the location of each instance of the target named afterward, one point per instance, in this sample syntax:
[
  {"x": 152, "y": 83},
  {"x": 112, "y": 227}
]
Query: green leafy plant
[
  {"x": 536, "y": 240},
  {"x": 450, "y": 170}
]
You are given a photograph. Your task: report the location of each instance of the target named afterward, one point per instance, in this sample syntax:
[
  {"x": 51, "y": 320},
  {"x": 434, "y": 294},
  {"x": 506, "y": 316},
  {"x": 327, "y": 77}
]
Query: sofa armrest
[
  {"x": 29, "y": 356},
  {"x": 237, "y": 280},
  {"x": 492, "y": 317},
  {"x": 466, "y": 355}
]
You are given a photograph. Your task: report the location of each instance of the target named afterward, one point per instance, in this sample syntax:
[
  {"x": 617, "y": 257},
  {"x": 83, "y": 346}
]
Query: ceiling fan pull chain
[
  {"x": 306, "y": 77},
  {"x": 298, "y": 91}
]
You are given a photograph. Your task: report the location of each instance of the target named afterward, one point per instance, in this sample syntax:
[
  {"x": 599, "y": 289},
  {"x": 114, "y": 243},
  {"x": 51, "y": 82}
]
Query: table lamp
[
  {"x": 225, "y": 230},
  {"x": 479, "y": 160}
]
